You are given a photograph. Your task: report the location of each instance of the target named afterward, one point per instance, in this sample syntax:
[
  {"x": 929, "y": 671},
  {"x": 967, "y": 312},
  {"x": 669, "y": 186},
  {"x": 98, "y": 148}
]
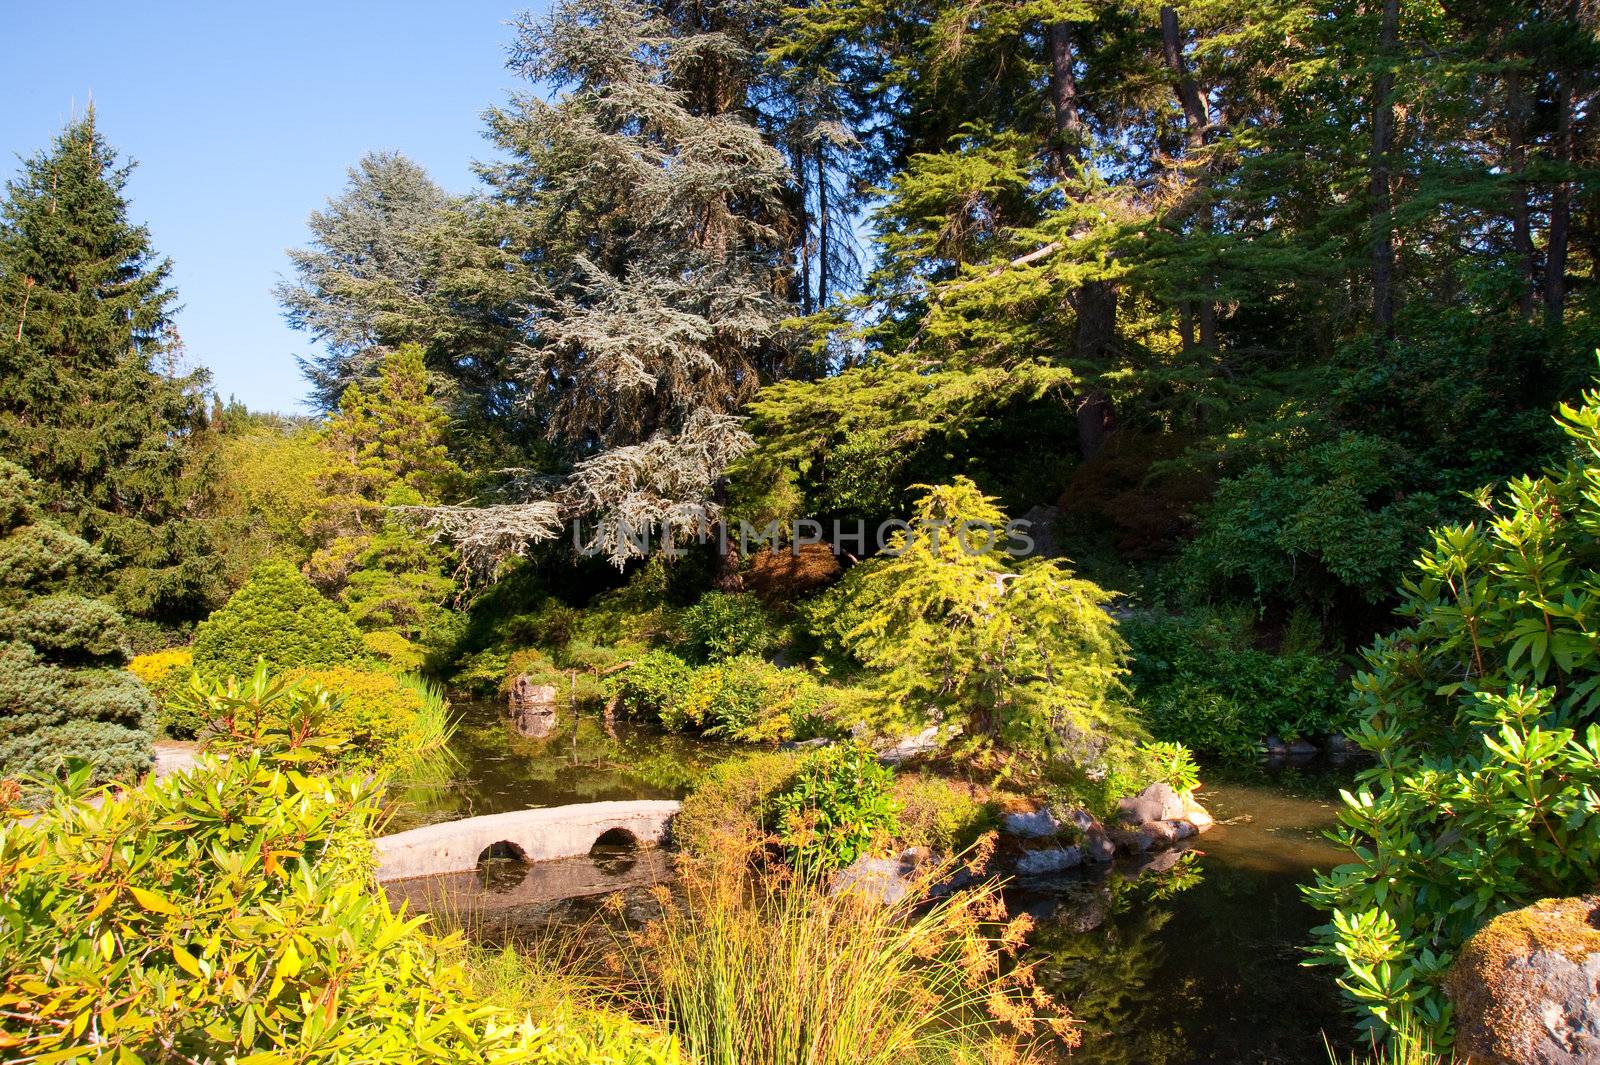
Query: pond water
[
  {"x": 1185, "y": 958},
  {"x": 497, "y": 770},
  {"x": 1202, "y": 962}
]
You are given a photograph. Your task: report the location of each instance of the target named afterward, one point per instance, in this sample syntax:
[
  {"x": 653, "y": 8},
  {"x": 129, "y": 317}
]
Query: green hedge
[{"x": 280, "y": 618}]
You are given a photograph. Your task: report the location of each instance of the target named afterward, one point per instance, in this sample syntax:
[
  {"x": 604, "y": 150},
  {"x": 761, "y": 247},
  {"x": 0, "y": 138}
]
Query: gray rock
[
  {"x": 1053, "y": 860},
  {"x": 1097, "y": 846},
  {"x": 805, "y": 745},
  {"x": 1339, "y": 743},
  {"x": 1197, "y": 815},
  {"x": 1302, "y": 749},
  {"x": 533, "y": 707},
  {"x": 1158, "y": 802},
  {"x": 1031, "y": 824},
  {"x": 1134, "y": 841},
  {"x": 1526, "y": 987},
  {"x": 885, "y": 880},
  {"x": 908, "y": 747},
  {"x": 1162, "y": 833}
]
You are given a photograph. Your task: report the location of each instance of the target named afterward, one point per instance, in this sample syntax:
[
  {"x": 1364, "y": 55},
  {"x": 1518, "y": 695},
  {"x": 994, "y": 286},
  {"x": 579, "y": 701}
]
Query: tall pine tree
[{"x": 94, "y": 406}]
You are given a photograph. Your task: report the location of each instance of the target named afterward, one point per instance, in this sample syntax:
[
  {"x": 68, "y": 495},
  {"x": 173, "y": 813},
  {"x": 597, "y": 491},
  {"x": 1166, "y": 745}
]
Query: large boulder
[
  {"x": 1158, "y": 802},
  {"x": 1527, "y": 987},
  {"x": 1052, "y": 860},
  {"x": 885, "y": 880},
  {"x": 533, "y": 707},
  {"x": 1038, "y": 823},
  {"x": 908, "y": 747},
  {"x": 1097, "y": 845}
]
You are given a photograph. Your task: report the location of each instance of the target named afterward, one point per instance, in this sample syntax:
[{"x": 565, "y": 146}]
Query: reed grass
[
  {"x": 785, "y": 973},
  {"x": 430, "y": 762}
]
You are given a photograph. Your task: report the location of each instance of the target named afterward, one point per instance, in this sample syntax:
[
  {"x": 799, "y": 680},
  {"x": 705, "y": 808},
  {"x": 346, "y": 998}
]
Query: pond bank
[{"x": 1178, "y": 958}]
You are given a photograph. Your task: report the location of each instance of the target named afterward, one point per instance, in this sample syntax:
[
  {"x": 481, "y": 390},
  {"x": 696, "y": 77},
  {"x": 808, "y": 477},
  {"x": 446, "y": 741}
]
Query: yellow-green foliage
[
  {"x": 279, "y": 618},
  {"x": 394, "y": 650},
  {"x": 946, "y": 816},
  {"x": 1023, "y": 655},
  {"x": 204, "y": 918},
  {"x": 724, "y": 814},
  {"x": 267, "y": 491},
  {"x": 378, "y": 718},
  {"x": 357, "y": 719},
  {"x": 742, "y": 698},
  {"x": 166, "y": 674}
]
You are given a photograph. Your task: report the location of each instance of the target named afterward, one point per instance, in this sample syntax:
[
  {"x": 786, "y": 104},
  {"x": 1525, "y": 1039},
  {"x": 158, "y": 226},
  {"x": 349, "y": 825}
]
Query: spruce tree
[
  {"x": 94, "y": 407},
  {"x": 62, "y": 691},
  {"x": 387, "y": 448}
]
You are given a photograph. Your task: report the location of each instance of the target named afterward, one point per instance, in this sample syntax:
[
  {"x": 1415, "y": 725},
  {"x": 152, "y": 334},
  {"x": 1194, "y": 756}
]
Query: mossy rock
[
  {"x": 280, "y": 618},
  {"x": 1524, "y": 987}
]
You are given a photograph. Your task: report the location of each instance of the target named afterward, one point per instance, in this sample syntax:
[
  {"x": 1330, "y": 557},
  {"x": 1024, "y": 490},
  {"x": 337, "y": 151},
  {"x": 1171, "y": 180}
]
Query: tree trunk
[
  {"x": 1064, "y": 98},
  {"x": 1196, "y": 119},
  {"x": 822, "y": 228},
  {"x": 1095, "y": 301},
  {"x": 1095, "y": 338},
  {"x": 1380, "y": 194},
  {"x": 1516, "y": 165},
  {"x": 1555, "y": 266}
]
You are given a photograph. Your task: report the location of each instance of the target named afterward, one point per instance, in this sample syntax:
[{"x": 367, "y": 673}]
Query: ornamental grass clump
[{"x": 782, "y": 971}]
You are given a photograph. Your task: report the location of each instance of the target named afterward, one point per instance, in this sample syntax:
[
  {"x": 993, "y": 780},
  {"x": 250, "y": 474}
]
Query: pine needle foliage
[{"x": 1018, "y": 656}]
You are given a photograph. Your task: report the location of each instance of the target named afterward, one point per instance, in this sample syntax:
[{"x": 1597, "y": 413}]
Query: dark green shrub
[
  {"x": 722, "y": 625},
  {"x": 1484, "y": 715},
  {"x": 280, "y": 618},
  {"x": 62, "y": 693},
  {"x": 1332, "y": 523},
  {"x": 838, "y": 806},
  {"x": 1199, "y": 683},
  {"x": 654, "y": 686}
]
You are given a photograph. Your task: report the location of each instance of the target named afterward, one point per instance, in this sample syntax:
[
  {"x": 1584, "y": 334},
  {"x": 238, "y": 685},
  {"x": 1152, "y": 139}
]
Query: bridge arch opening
[
  {"x": 614, "y": 841},
  {"x": 503, "y": 851},
  {"x": 502, "y": 866}
]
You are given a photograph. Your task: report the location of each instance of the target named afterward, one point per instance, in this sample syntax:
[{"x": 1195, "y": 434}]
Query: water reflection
[
  {"x": 1177, "y": 959},
  {"x": 1201, "y": 962},
  {"x": 499, "y": 770}
]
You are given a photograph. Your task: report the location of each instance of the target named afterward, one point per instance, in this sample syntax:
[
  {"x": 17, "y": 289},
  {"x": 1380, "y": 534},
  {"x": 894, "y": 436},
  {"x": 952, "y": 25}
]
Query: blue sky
[{"x": 243, "y": 118}]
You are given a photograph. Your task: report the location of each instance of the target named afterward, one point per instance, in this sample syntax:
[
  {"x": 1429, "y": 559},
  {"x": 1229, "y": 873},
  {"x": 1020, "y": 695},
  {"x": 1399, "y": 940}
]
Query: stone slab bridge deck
[{"x": 527, "y": 835}]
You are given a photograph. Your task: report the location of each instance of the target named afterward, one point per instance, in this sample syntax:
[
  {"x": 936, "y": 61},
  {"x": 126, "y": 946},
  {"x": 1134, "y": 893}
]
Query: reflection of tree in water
[
  {"x": 582, "y": 761},
  {"x": 1097, "y": 954}
]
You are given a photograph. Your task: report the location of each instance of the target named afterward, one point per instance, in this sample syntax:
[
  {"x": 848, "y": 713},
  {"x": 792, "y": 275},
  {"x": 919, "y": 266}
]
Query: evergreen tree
[
  {"x": 635, "y": 217},
  {"x": 1020, "y": 656},
  {"x": 386, "y": 448},
  {"x": 94, "y": 407},
  {"x": 62, "y": 691},
  {"x": 366, "y": 283}
]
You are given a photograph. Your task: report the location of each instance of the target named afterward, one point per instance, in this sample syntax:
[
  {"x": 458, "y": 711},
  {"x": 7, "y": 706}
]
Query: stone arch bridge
[{"x": 528, "y": 835}]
